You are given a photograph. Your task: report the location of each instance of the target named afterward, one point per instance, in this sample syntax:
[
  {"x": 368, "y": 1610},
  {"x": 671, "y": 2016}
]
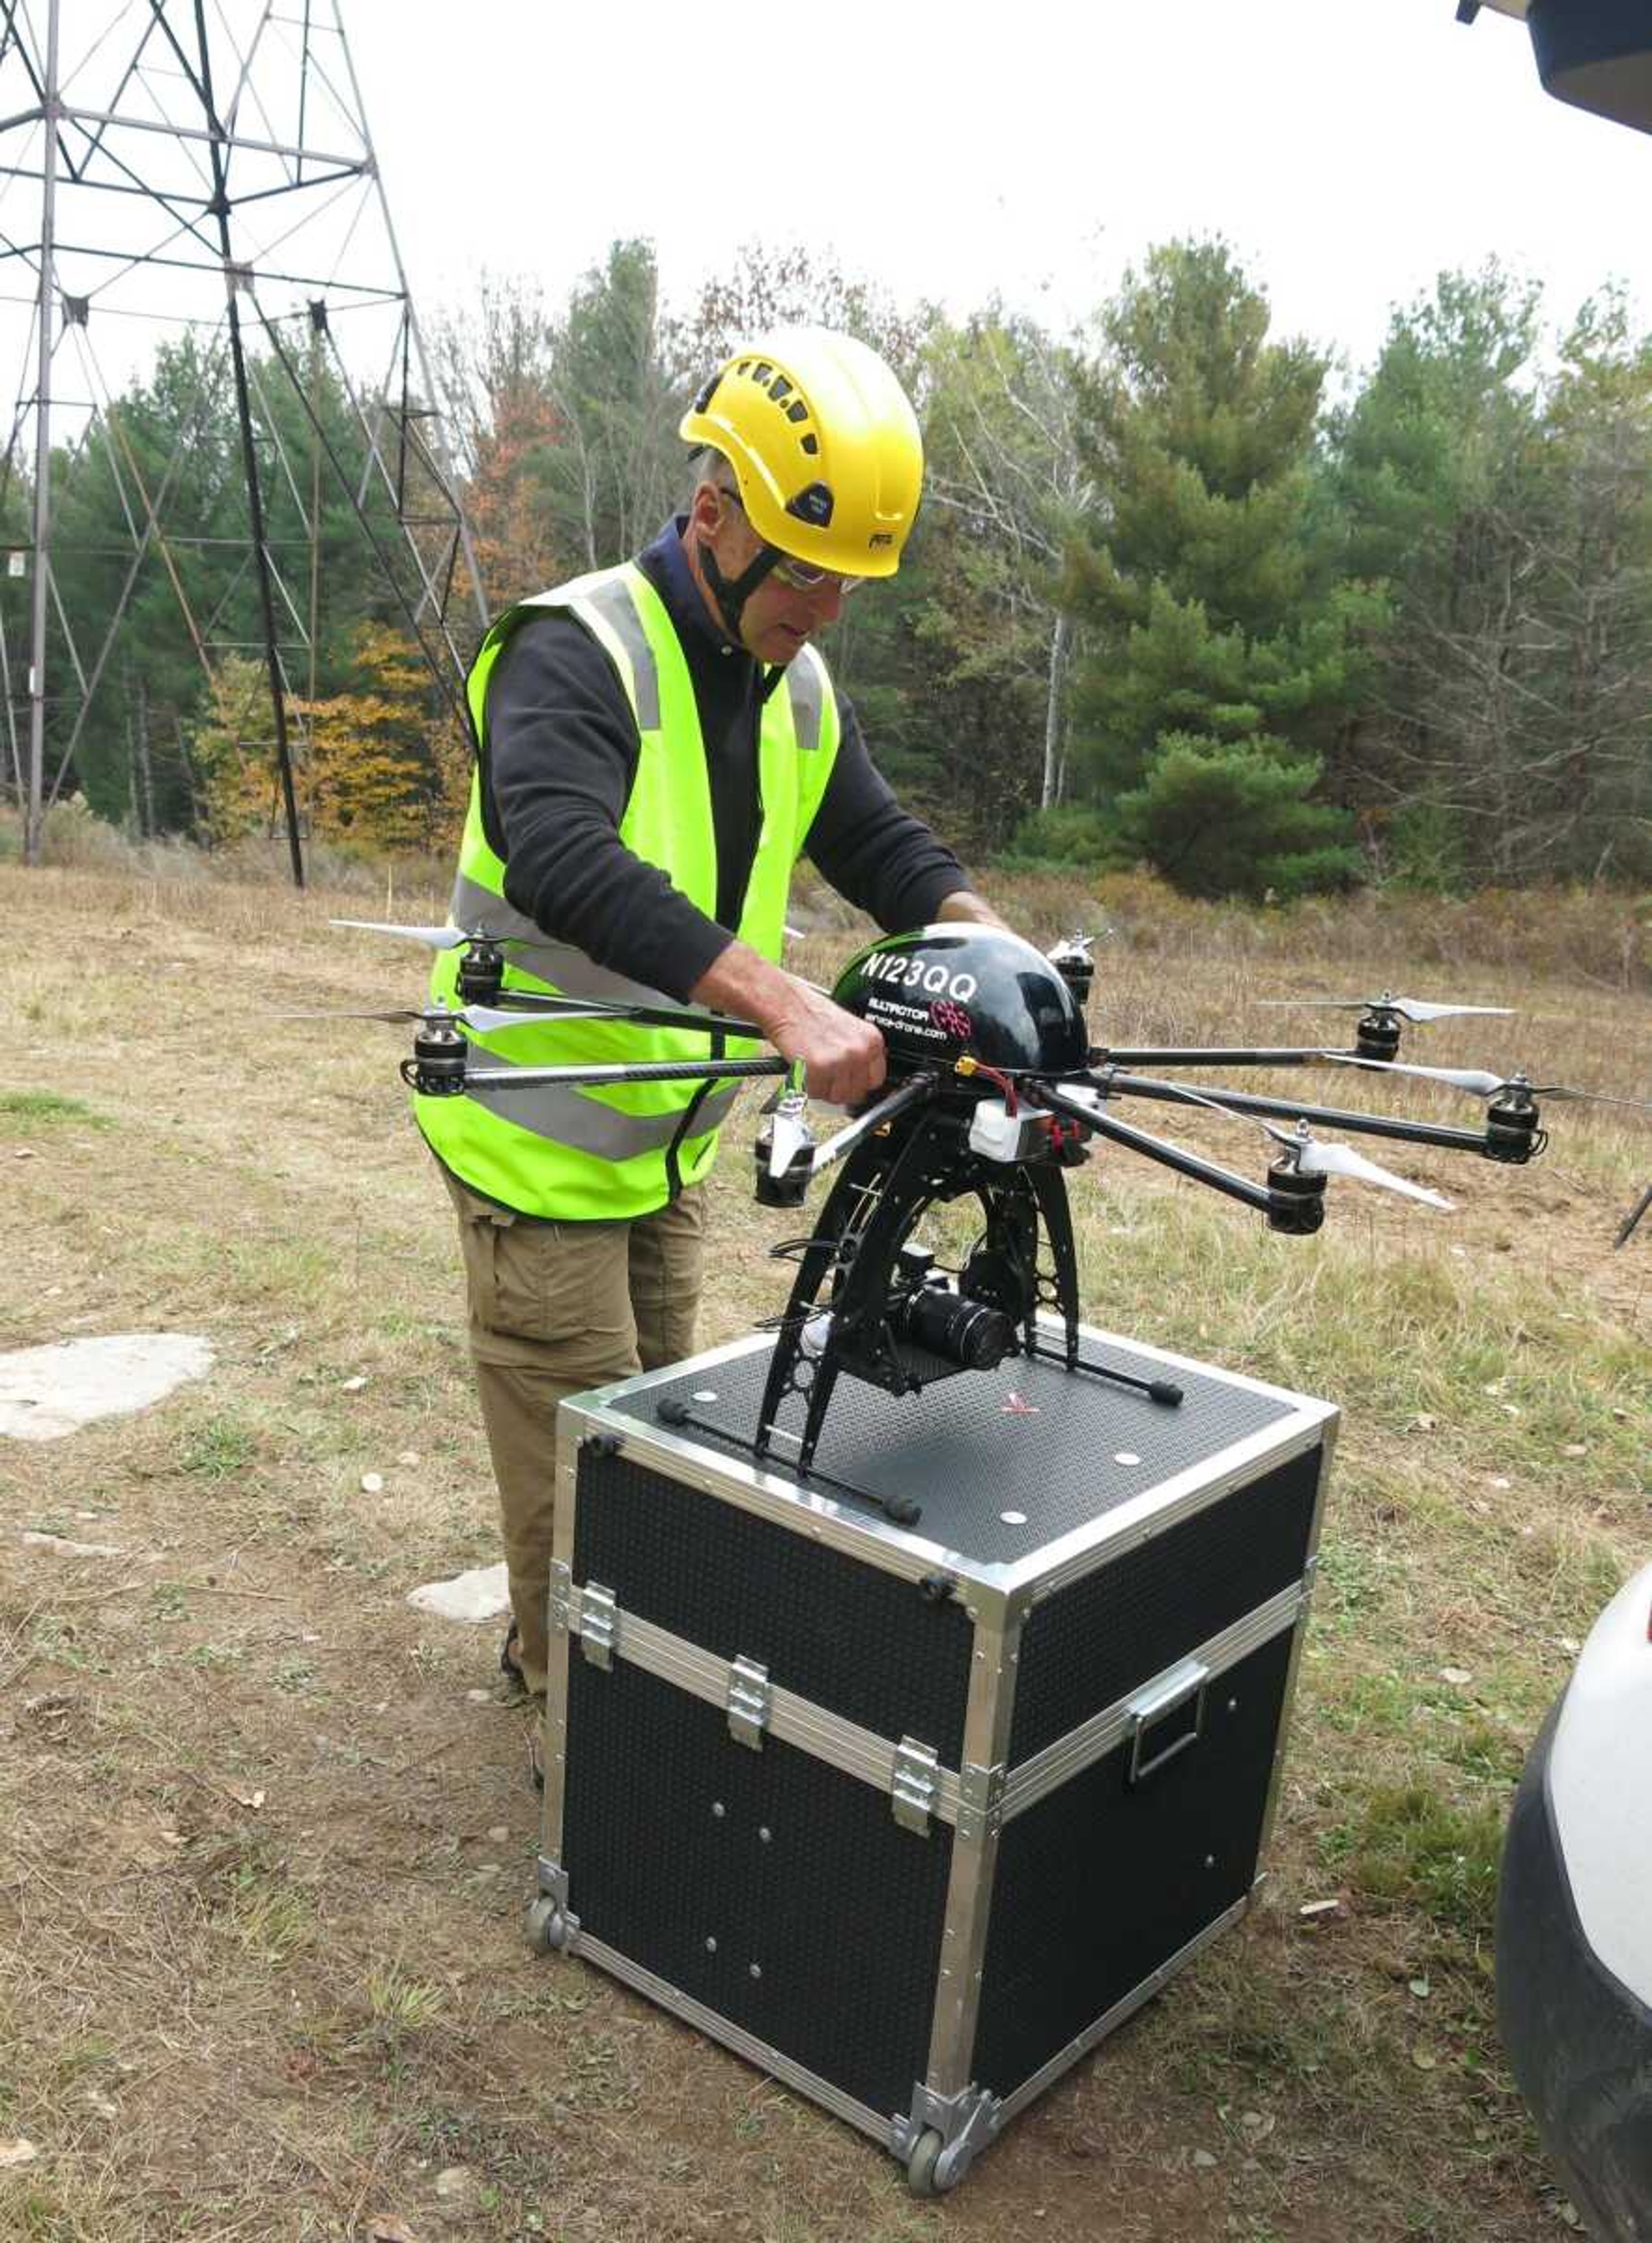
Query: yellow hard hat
[{"x": 823, "y": 443}]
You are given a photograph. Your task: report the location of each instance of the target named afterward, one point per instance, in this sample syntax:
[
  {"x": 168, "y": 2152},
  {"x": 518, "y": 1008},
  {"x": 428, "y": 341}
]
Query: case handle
[{"x": 1156, "y": 1732}]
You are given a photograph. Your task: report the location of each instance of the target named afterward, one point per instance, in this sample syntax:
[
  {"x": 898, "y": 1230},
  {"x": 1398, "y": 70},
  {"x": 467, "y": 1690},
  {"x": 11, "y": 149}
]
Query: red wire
[{"x": 1003, "y": 1083}]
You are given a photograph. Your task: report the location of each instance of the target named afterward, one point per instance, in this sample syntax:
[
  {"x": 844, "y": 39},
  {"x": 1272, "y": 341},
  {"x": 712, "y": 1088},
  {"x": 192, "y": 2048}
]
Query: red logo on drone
[{"x": 952, "y": 1018}]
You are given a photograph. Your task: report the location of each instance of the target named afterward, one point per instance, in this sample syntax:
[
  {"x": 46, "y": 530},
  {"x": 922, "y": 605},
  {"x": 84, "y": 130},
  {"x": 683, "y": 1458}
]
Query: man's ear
[{"x": 705, "y": 509}]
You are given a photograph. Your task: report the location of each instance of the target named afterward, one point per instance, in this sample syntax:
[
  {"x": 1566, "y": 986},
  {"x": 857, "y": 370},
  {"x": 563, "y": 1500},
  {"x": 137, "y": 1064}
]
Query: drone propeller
[
  {"x": 1313, "y": 1156},
  {"x": 663, "y": 1015},
  {"x": 1408, "y": 1008},
  {"x": 484, "y": 1018},
  {"x": 1486, "y": 1085},
  {"x": 542, "y": 1006},
  {"x": 1324, "y": 1158},
  {"x": 434, "y": 938}
]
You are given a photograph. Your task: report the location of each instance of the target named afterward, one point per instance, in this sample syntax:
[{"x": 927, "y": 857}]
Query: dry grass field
[{"x": 264, "y": 1834}]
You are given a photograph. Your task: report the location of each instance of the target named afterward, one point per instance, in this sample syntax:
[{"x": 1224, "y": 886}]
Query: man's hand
[
  {"x": 843, "y": 1056},
  {"x": 964, "y": 905}
]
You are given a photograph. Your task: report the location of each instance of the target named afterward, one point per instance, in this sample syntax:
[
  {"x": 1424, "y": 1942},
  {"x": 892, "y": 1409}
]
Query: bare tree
[{"x": 1005, "y": 458}]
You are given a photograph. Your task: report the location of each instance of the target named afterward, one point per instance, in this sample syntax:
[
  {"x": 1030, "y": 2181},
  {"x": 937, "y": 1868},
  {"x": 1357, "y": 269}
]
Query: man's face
[{"x": 781, "y": 616}]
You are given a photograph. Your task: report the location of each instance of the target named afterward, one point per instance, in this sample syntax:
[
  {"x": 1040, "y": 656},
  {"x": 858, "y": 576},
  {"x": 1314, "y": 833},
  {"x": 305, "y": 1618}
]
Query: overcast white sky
[{"x": 1350, "y": 149}]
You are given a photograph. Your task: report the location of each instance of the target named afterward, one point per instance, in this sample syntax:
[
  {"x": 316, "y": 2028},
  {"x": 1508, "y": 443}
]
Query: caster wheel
[
  {"x": 921, "y": 2176},
  {"x": 546, "y": 1927}
]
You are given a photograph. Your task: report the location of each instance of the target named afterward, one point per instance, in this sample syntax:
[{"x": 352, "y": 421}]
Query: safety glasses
[{"x": 800, "y": 576}]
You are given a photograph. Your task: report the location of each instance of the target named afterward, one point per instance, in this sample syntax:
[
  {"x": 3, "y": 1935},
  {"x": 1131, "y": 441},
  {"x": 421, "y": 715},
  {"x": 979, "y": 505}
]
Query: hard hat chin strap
[{"x": 731, "y": 593}]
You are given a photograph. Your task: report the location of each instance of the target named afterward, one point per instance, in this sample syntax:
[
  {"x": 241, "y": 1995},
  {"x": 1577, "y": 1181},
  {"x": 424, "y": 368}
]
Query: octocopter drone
[{"x": 993, "y": 1090}]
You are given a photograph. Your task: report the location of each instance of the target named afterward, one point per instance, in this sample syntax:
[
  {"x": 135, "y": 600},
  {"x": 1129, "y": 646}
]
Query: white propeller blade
[
  {"x": 487, "y": 1020},
  {"x": 1334, "y": 1159},
  {"x": 1466, "y": 1078},
  {"x": 434, "y": 938},
  {"x": 1486, "y": 1085},
  {"x": 484, "y": 1018},
  {"x": 1415, "y": 1008},
  {"x": 1322, "y": 1157},
  {"x": 1408, "y": 1008}
]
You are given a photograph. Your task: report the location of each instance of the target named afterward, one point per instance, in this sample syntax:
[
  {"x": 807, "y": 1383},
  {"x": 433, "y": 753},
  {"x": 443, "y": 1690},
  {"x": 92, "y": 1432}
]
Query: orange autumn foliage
[{"x": 382, "y": 767}]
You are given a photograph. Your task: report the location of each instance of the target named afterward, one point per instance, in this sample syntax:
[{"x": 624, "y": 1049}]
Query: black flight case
[{"x": 912, "y": 1816}]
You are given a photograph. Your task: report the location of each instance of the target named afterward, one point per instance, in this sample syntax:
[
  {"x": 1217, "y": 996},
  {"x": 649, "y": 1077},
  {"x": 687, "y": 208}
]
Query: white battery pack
[{"x": 998, "y": 1134}]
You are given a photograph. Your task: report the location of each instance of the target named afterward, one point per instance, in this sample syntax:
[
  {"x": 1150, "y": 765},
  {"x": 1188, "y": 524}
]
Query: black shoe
[{"x": 509, "y": 1665}]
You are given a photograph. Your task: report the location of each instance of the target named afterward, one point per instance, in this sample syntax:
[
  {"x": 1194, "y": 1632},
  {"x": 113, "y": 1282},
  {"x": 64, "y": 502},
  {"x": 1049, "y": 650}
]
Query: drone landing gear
[
  {"x": 899, "y": 1508},
  {"x": 1163, "y": 1391},
  {"x": 867, "y": 1301}
]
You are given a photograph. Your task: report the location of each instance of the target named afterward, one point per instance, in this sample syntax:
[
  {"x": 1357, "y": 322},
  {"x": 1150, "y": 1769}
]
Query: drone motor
[
  {"x": 789, "y": 1187},
  {"x": 1296, "y": 1197},
  {"x": 1071, "y": 960},
  {"x": 784, "y": 1148},
  {"x": 1512, "y": 1133},
  {"x": 482, "y": 972},
  {"x": 437, "y": 1067}
]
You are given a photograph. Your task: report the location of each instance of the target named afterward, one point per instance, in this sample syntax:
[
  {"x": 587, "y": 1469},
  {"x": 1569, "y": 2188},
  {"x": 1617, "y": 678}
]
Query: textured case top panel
[
  {"x": 1098, "y": 1884},
  {"x": 863, "y": 1643},
  {"x": 772, "y": 1887},
  {"x": 1111, "y": 1630},
  {"x": 1003, "y": 1462}
]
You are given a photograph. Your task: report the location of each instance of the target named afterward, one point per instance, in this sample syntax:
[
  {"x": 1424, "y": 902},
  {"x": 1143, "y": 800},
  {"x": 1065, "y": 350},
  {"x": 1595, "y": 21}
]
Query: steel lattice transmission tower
[{"x": 205, "y": 166}]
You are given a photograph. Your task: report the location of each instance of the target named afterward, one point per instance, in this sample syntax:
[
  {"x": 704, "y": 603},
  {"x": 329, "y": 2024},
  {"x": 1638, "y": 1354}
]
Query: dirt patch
[{"x": 262, "y": 1972}]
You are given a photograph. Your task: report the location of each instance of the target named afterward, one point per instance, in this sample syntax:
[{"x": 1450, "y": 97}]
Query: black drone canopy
[{"x": 943, "y": 991}]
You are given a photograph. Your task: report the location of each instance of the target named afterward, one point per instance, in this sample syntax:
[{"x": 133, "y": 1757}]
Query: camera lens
[{"x": 966, "y": 1332}]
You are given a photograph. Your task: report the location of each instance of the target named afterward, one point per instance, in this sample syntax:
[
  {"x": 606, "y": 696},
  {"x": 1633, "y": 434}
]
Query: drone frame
[{"x": 865, "y": 1299}]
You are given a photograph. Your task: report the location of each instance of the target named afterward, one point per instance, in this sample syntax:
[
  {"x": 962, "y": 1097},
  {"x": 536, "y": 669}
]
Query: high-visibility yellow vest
[{"x": 617, "y": 1151}]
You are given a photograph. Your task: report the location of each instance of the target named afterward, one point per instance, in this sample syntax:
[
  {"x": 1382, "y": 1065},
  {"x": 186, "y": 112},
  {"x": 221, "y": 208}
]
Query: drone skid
[
  {"x": 912, "y": 1817},
  {"x": 860, "y": 1305}
]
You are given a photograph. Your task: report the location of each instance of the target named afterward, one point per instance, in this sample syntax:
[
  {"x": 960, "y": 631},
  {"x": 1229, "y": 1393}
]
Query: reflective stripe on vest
[
  {"x": 607, "y": 1151},
  {"x": 552, "y": 1110},
  {"x": 557, "y": 964}
]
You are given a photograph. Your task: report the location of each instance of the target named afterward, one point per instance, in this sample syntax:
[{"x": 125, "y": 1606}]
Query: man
[{"x": 657, "y": 744}]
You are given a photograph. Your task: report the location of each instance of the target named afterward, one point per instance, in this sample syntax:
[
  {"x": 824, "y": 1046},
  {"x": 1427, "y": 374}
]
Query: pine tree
[
  {"x": 1437, "y": 467},
  {"x": 1222, "y": 651}
]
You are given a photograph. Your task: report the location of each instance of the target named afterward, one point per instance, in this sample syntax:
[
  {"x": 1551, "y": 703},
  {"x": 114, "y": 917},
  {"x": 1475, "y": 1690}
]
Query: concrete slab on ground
[
  {"x": 48, "y": 1392},
  {"x": 481, "y": 1595}
]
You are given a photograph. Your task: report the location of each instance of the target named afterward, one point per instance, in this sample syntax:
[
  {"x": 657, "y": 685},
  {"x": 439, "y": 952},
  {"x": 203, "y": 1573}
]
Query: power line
[{"x": 288, "y": 138}]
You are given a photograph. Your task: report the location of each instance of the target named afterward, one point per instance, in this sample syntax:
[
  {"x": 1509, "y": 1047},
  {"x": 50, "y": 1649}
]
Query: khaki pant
[{"x": 555, "y": 1308}]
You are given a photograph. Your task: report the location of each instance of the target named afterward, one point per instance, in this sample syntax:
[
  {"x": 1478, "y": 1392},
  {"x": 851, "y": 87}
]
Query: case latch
[
  {"x": 748, "y": 1702},
  {"x": 599, "y": 1617},
  {"x": 912, "y": 1784},
  {"x": 561, "y": 1592}
]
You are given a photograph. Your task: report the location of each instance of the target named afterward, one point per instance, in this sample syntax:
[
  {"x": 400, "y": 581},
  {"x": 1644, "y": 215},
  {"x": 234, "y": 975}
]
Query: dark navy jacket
[{"x": 563, "y": 750}]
